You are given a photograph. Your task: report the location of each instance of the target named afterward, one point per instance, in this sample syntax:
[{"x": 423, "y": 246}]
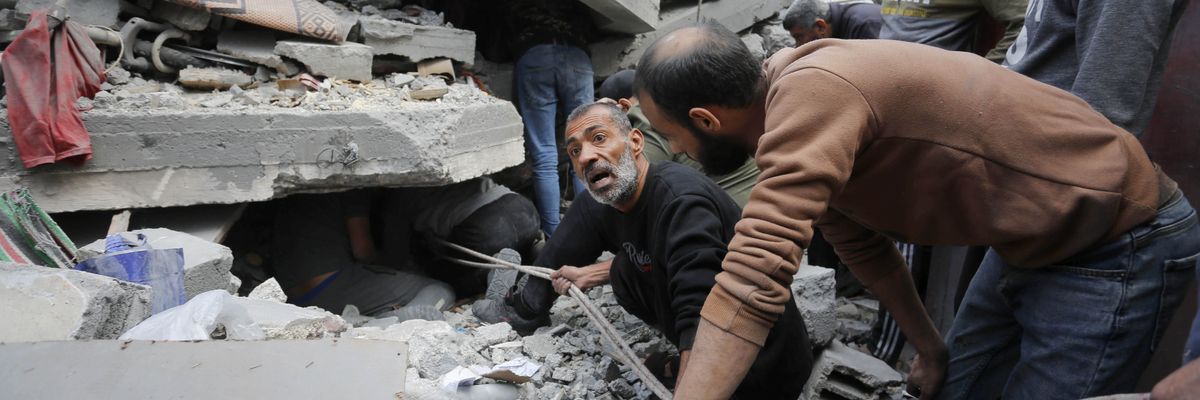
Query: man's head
[
  {"x": 700, "y": 88},
  {"x": 606, "y": 152},
  {"x": 808, "y": 20}
]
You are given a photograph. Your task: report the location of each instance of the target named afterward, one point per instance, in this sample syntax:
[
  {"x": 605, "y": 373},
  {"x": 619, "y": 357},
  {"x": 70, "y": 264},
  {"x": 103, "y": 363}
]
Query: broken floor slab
[
  {"x": 42, "y": 303},
  {"x": 417, "y": 42},
  {"x": 161, "y": 157},
  {"x": 610, "y": 56},
  {"x": 276, "y": 369},
  {"x": 205, "y": 264},
  {"x": 625, "y": 16}
]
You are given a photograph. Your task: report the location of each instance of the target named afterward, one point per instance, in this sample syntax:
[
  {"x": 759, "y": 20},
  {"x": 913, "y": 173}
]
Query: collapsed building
[{"x": 208, "y": 108}]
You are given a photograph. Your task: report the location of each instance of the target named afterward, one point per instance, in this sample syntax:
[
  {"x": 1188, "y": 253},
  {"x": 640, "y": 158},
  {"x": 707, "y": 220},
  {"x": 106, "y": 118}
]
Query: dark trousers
[{"x": 509, "y": 222}]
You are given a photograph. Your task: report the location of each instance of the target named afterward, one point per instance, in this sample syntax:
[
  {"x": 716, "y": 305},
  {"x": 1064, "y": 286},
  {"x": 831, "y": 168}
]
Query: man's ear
[
  {"x": 823, "y": 28},
  {"x": 625, "y": 104},
  {"x": 704, "y": 119},
  {"x": 638, "y": 140}
]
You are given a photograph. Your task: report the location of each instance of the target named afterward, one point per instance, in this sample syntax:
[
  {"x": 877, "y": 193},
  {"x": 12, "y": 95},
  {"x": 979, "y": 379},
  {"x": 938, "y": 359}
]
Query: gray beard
[{"x": 625, "y": 176}]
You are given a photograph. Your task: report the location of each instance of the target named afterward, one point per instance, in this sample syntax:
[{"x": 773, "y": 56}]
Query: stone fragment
[
  {"x": 118, "y": 76},
  {"x": 341, "y": 61},
  {"x": 622, "y": 389},
  {"x": 813, "y": 289},
  {"x": 235, "y": 284},
  {"x": 10, "y": 20},
  {"x": 625, "y": 16},
  {"x": 417, "y": 42},
  {"x": 257, "y": 46},
  {"x": 213, "y": 78},
  {"x": 286, "y": 321},
  {"x": 488, "y": 335},
  {"x": 844, "y": 373},
  {"x": 269, "y": 290},
  {"x": 539, "y": 347},
  {"x": 42, "y": 303},
  {"x": 87, "y": 12},
  {"x": 756, "y": 45},
  {"x": 205, "y": 264},
  {"x": 186, "y": 18}
]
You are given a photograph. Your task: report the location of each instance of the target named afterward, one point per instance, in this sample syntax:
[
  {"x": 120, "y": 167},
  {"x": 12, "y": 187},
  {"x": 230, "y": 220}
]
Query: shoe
[
  {"x": 500, "y": 281},
  {"x": 495, "y": 311}
]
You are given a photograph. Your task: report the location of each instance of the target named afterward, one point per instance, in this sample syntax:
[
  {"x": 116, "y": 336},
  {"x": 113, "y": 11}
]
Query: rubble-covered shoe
[
  {"x": 501, "y": 281},
  {"x": 497, "y": 310}
]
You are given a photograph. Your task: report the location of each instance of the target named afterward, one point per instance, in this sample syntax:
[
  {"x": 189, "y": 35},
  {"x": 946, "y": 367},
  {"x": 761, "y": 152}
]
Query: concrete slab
[
  {"x": 625, "y": 16},
  {"x": 205, "y": 264},
  {"x": 42, "y": 303},
  {"x": 277, "y": 369},
  {"x": 170, "y": 157},
  {"x": 417, "y": 42},
  {"x": 286, "y": 321},
  {"x": 610, "y": 56},
  {"x": 342, "y": 61},
  {"x": 87, "y": 12}
]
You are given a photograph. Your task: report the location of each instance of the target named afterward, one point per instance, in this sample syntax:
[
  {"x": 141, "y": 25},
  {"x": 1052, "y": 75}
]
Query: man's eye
[
  {"x": 574, "y": 151},
  {"x": 598, "y": 138}
]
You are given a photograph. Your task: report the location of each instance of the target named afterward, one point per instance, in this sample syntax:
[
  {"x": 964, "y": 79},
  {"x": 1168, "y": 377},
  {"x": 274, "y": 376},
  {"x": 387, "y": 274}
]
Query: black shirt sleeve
[
  {"x": 693, "y": 247},
  {"x": 578, "y": 239}
]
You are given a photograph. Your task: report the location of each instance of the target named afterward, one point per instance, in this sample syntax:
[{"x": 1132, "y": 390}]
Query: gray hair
[
  {"x": 615, "y": 113},
  {"x": 805, "y": 13}
]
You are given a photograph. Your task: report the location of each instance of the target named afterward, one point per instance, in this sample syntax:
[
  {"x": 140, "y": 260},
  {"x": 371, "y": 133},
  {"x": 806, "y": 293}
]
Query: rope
[
  {"x": 120, "y": 52},
  {"x": 627, "y": 356}
]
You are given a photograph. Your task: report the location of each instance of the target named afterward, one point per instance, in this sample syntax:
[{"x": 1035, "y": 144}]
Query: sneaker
[
  {"x": 494, "y": 311},
  {"x": 500, "y": 281}
]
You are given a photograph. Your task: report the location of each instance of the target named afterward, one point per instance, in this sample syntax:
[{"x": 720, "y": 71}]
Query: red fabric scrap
[{"x": 43, "y": 79}]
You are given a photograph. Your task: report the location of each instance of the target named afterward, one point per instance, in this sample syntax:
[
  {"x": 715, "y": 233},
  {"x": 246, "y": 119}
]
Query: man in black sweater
[{"x": 669, "y": 226}]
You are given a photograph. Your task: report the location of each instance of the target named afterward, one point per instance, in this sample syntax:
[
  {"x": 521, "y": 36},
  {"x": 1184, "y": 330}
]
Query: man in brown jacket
[{"x": 1091, "y": 246}]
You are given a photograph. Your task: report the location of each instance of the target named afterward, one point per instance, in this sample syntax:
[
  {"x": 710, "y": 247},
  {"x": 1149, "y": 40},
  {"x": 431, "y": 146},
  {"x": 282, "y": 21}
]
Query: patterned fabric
[{"x": 305, "y": 17}]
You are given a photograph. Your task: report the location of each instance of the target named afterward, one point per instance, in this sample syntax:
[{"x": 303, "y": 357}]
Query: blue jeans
[
  {"x": 550, "y": 78},
  {"x": 1084, "y": 327}
]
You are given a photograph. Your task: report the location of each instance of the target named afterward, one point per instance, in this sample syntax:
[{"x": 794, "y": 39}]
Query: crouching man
[{"x": 669, "y": 226}]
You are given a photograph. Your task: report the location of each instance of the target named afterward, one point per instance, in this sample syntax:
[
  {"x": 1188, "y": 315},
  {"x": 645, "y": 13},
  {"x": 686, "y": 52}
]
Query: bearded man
[{"x": 669, "y": 227}]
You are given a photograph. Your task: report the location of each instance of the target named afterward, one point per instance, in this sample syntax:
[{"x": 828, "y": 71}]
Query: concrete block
[
  {"x": 205, "y": 264},
  {"x": 488, "y": 335},
  {"x": 269, "y": 290},
  {"x": 157, "y": 157},
  {"x": 610, "y": 56},
  {"x": 417, "y": 42},
  {"x": 41, "y": 303},
  {"x": 186, "y": 18},
  {"x": 216, "y": 369},
  {"x": 625, "y": 16},
  {"x": 209, "y": 79},
  {"x": 342, "y": 61},
  {"x": 87, "y": 12},
  {"x": 286, "y": 321},
  {"x": 256, "y": 46},
  {"x": 815, "y": 292},
  {"x": 844, "y": 373}
]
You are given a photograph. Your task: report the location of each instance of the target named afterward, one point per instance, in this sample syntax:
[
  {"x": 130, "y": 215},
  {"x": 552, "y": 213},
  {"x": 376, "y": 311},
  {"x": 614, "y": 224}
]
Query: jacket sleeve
[
  {"x": 693, "y": 248},
  {"x": 1116, "y": 44},
  {"x": 1011, "y": 14},
  {"x": 816, "y": 122}
]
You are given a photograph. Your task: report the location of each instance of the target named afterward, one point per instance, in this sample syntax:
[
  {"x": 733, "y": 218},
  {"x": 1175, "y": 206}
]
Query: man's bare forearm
[
  {"x": 716, "y": 364},
  {"x": 898, "y": 295}
]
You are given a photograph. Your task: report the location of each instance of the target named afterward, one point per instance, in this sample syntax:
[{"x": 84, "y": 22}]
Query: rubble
[
  {"x": 213, "y": 79},
  {"x": 286, "y": 321},
  {"x": 844, "y": 373},
  {"x": 186, "y": 18},
  {"x": 256, "y": 47},
  {"x": 625, "y": 16},
  {"x": 87, "y": 12},
  {"x": 813, "y": 290},
  {"x": 205, "y": 264},
  {"x": 342, "y": 61},
  {"x": 42, "y": 303},
  {"x": 417, "y": 42},
  {"x": 268, "y": 290}
]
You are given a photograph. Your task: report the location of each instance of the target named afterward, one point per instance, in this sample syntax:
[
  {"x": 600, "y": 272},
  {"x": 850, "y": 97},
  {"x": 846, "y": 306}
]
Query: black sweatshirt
[{"x": 668, "y": 250}]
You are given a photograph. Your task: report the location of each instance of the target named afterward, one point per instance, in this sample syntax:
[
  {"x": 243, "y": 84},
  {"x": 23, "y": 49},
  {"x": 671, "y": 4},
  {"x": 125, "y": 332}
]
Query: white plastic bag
[{"x": 197, "y": 318}]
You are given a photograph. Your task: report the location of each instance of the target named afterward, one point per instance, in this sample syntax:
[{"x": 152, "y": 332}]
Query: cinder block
[
  {"x": 842, "y": 373},
  {"x": 42, "y": 303},
  {"x": 205, "y": 264}
]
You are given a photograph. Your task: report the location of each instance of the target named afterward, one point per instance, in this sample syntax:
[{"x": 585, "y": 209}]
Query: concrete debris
[
  {"x": 286, "y": 321},
  {"x": 42, "y": 303},
  {"x": 255, "y": 46},
  {"x": 186, "y": 18},
  {"x": 205, "y": 264},
  {"x": 350, "y": 61},
  {"x": 118, "y": 76},
  {"x": 813, "y": 289},
  {"x": 269, "y": 290},
  {"x": 11, "y": 20},
  {"x": 87, "y": 12},
  {"x": 625, "y": 16},
  {"x": 775, "y": 38},
  {"x": 756, "y": 45},
  {"x": 844, "y": 373},
  {"x": 235, "y": 284},
  {"x": 213, "y": 78},
  {"x": 856, "y": 319},
  {"x": 417, "y": 42}
]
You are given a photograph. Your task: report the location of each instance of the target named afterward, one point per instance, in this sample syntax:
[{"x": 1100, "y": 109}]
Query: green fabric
[
  {"x": 737, "y": 183},
  {"x": 32, "y": 234}
]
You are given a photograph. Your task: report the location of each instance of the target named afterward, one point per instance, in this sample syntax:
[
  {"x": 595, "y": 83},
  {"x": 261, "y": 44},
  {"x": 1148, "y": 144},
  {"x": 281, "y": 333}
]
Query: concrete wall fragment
[
  {"x": 815, "y": 292},
  {"x": 41, "y": 303},
  {"x": 205, "y": 264},
  {"x": 625, "y": 16},
  {"x": 417, "y": 42}
]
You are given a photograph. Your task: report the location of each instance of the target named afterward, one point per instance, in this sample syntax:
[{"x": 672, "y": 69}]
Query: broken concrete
[
  {"x": 417, "y": 42},
  {"x": 156, "y": 157},
  {"x": 844, "y": 373},
  {"x": 269, "y": 290},
  {"x": 186, "y": 18},
  {"x": 41, "y": 303},
  {"x": 625, "y": 16},
  {"x": 280, "y": 369},
  {"x": 815, "y": 293},
  {"x": 254, "y": 46},
  {"x": 205, "y": 264},
  {"x": 87, "y": 12},
  {"x": 286, "y": 321},
  {"x": 213, "y": 78},
  {"x": 341, "y": 61},
  {"x": 613, "y": 55}
]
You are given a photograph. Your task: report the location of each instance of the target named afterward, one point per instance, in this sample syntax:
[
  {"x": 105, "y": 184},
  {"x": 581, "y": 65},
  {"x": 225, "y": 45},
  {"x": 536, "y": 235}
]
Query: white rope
[
  {"x": 120, "y": 52},
  {"x": 593, "y": 312}
]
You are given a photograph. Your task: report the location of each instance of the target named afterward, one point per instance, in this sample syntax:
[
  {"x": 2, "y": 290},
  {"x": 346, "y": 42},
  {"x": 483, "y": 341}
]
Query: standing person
[
  {"x": 553, "y": 74},
  {"x": 1092, "y": 246},
  {"x": 953, "y": 24},
  {"x": 1109, "y": 53},
  {"x": 809, "y": 20}
]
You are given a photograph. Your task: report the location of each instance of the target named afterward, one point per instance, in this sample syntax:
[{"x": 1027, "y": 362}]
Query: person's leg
[
  {"x": 510, "y": 222},
  {"x": 538, "y": 102},
  {"x": 1092, "y": 322},
  {"x": 1191, "y": 350},
  {"x": 576, "y": 87},
  {"x": 373, "y": 291},
  {"x": 984, "y": 339}
]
